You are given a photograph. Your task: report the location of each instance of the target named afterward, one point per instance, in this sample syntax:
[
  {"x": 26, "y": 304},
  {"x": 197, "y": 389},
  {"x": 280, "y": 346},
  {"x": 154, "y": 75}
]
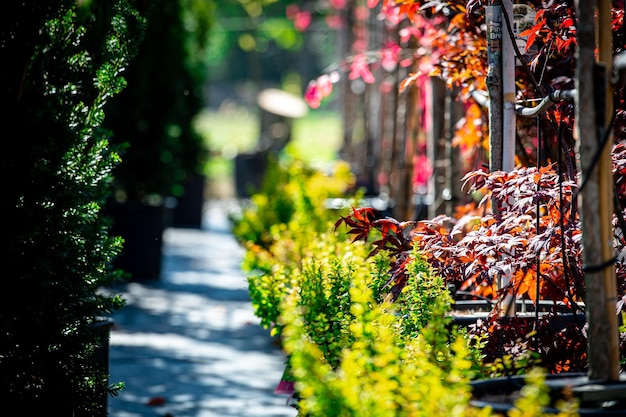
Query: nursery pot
[
  {"x": 250, "y": 169},
  {"x": 141, "y": 226},
  {"x": 189, "y": 208},
  {"x": 596, "y": 398},
  {"x": 468, "y": 312}
]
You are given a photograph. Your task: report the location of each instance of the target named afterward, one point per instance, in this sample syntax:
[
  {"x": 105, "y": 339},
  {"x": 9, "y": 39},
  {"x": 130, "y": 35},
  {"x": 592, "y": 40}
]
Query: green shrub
[
  {"x": 423, "y": 298},
  {"x": 324, "y": 256},
  {"x": 292, "y": 197},
  {"x": 287, "y": 222},
  {"x": 272, "y": 205},
  {"x": 378, "y": 371},
  {"x": 377, "y": 367},
  {"x": 323, "y": 296},
  {"x": 62, "y": 60}
]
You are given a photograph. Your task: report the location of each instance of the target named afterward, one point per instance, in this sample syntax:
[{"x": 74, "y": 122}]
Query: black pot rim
[{"x": 556, "y": 383}]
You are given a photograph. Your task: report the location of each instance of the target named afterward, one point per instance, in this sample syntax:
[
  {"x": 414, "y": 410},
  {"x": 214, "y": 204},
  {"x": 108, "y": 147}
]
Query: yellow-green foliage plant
[
  {"x": 535, "y": 395},
  {"x": 292, "y": 198},
  {"x": 323, "y": 294},
  {"x": 285, "y": 223},
  {"x": 383, "y": 360},
  {"x": 322, "y": 275},
  {"x": 380, "y": 372}
]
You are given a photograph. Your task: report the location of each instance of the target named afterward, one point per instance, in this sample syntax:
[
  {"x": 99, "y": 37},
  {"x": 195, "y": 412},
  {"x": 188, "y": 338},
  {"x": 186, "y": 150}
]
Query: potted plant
[
  {"x": 470, "y": 251},
  {"x": 503, "y": 254},
  {"x": 352, "y": 351},
  {"x": 601, "y": 388},
  {"x": 62, "y": 61},
  {"x": 529, "y": 246},
  {"x": 275, "y": 228},
  {"x": 161, "y": 153}
]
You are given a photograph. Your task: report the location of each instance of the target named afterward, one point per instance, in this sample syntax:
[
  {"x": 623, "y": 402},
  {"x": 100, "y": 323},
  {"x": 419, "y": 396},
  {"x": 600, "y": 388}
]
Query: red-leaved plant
[
  {"x": 511, "y": 250},
  {"x": 395, "y": 239},
  {"x": 521, "y": 240}
]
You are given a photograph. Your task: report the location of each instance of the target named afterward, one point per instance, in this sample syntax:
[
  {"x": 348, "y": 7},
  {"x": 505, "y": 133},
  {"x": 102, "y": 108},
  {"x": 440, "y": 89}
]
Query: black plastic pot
[
  {"x": 596, "y": 398},
  {"x": 468, "y": 312},
  {"x": 250, "y": 171},
  {"x": 190, "y": 207},
  {"x": 141, "y": 226}
]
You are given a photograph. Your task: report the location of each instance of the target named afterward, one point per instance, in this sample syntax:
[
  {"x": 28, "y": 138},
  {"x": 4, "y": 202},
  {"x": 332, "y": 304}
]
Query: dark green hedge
[{"x": 61, "y": 61}]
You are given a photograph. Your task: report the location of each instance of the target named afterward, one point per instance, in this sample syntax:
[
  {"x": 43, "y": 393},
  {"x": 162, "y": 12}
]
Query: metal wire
[
  {"x": 547, "y": 102},
  {"x": 556, "y": 96}
]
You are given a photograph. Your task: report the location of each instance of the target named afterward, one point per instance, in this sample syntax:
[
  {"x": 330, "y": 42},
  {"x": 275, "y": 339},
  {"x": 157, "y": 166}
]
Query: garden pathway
[{"x": 189, "y": 345}]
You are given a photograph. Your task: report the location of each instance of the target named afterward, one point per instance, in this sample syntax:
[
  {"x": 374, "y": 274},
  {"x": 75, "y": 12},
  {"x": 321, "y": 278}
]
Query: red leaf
[
  {"x": 530, "y": 41},
  {"x": 156, "y": 401}
]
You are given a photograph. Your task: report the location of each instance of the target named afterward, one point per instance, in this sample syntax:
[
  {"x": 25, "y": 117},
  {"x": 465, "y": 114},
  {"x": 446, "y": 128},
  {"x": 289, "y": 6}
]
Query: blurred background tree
[
  {"x": 264, "y": 42},
  {"x": 163, "y": 156},
  {"x": 151, "y": 119},
  {"x": 260, "y": 44}
]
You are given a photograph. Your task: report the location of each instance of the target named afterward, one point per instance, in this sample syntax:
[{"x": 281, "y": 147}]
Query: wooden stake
[
  {"x": 493, "y": 13},
  {"x": 597, "y": 196}
]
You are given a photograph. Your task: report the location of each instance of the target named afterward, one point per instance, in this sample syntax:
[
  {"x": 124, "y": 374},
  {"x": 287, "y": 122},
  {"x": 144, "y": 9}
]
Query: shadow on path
[{"x": 189, "y": 345}]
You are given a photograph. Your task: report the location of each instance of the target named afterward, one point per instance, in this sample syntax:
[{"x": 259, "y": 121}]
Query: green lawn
[{"x": 316, "y": 138}]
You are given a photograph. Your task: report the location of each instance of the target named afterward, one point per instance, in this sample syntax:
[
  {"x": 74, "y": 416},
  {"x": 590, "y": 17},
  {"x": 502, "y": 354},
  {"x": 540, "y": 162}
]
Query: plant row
[{"x": 365, "y": 306}]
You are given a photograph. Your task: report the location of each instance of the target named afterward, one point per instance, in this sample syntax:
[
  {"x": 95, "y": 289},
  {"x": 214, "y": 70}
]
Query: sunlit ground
[
  {"x": 189, "y": 343},
  {"x": 316, "y": 138}
]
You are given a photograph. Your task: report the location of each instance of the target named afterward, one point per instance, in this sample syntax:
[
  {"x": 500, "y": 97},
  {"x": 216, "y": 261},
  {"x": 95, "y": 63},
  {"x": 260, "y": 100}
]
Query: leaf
[
  {"x": 156, "y": 401},
  {"x": 406, "y": 82}
]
